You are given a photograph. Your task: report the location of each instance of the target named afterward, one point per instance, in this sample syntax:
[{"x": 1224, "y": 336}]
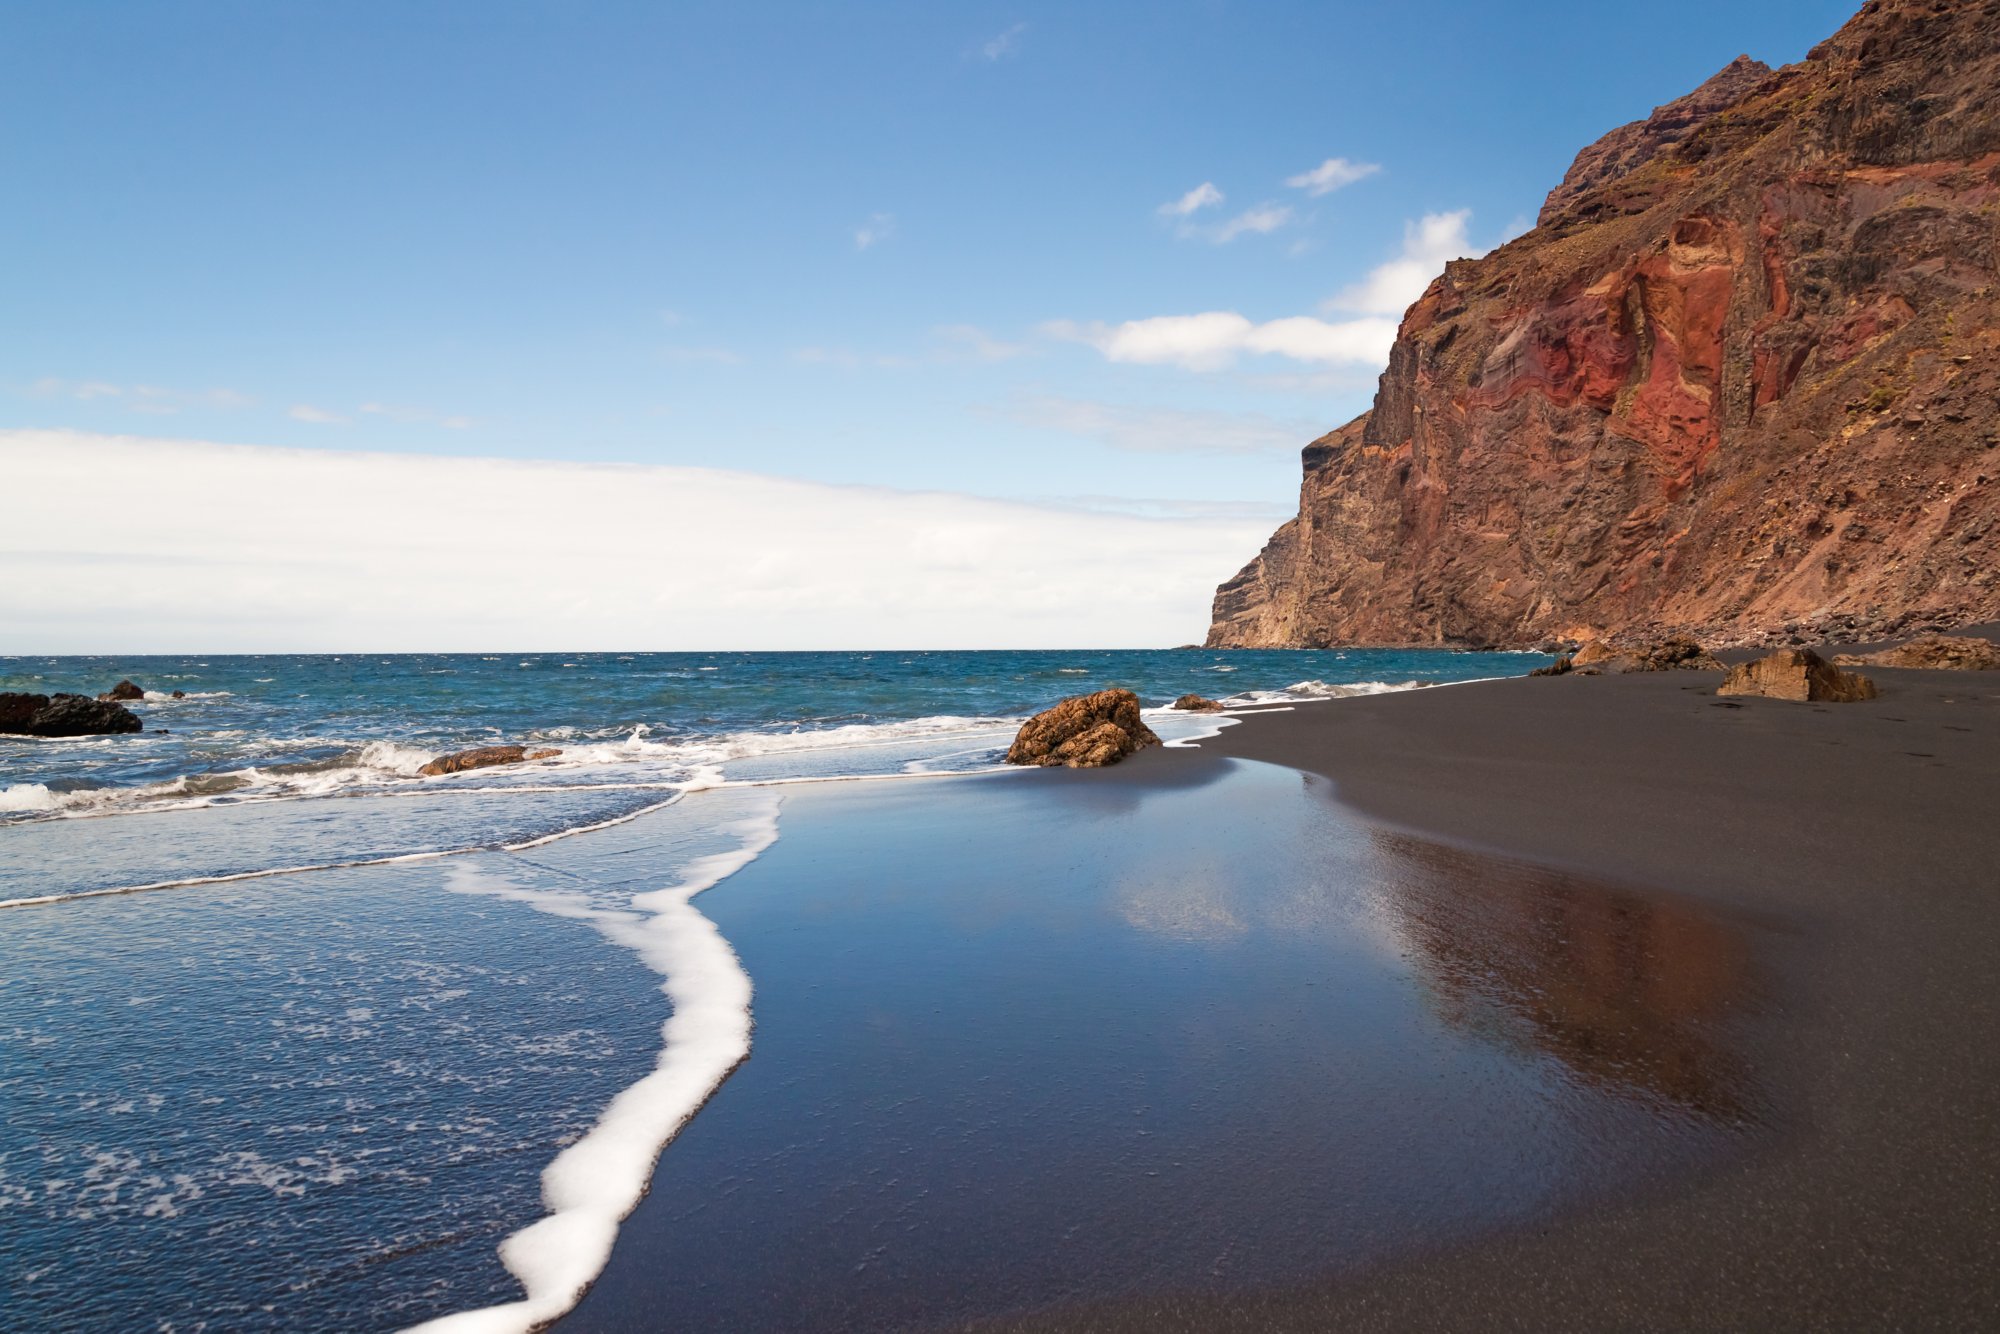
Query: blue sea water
[{"x": 313, "y": 1078}]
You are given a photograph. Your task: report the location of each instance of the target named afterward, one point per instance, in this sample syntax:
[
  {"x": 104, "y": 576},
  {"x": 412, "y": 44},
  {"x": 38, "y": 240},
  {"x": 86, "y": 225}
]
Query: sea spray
[{"x": 594, "y": 1183}]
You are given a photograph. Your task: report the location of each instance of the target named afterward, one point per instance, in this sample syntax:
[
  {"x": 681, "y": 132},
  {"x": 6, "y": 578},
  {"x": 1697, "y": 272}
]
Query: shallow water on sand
[{"x": 1031, "y": 1040}]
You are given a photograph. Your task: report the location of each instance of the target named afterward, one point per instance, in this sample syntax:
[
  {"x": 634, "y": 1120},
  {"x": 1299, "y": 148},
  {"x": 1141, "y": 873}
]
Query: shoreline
[{"x": 1862, "y": 836}]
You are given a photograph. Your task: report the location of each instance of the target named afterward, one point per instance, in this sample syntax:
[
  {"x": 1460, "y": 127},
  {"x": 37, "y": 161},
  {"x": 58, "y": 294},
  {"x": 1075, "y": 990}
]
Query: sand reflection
[{"x": 1631, "y": 992}]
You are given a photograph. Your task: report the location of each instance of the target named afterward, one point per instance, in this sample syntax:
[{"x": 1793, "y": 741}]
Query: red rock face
[{"x": 1743, "y": 382}]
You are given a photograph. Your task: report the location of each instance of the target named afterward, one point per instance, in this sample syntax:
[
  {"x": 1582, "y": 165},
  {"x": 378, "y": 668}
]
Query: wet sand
[
  {"x": 1865, "y": 839},
  {"x": 1045, "y": 1038}
]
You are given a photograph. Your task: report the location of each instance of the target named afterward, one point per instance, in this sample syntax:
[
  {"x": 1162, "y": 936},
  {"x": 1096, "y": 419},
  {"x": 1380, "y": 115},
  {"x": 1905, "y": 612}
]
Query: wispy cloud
[
  {"x": 683, "y": 354},
  {"x": 151, "y": 399},
  {"x": 847, "y": 358},
  {"x": 1259, "y": 221},
  {"x": 1428, "y": 244},
  {"x": 879, "y": 228},
  {"x": 1202, "y": 196},
  {"x": 834, "y": 566},
  {"x": 417, "y": 416},
  {"x": 1213, "y": 340},
  {"x": 1331, "y": 175},
  {"x": 969, "y": 342},
  {"x": 1160, "y": 430},
  {"x": 1003, "y": 45},
  {"x": 306, "y": 412}
]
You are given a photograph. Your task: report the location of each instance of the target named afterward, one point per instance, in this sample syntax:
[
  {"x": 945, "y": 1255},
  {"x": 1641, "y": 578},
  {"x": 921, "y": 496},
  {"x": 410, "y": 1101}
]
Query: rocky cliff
[{"x": 1742, "y": 381}]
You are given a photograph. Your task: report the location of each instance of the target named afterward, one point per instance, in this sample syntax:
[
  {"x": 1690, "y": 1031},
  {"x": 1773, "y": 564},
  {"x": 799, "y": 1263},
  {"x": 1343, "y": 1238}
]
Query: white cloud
[
  {"x": 1163, "y": 430},
  {"x": 1427, "y": 245},
  {"x": 1202, "y": 196},
  {"x": 306, "y": 412},
  {"x": 417, "y": 416},
  {"x": 1331, "y": 175},
  {"x": 1006, "y": 44},
  {"x": 290, "y": 549},
  {"x": 879, "y": 228},
  {"x": 1213, "y": 340}
]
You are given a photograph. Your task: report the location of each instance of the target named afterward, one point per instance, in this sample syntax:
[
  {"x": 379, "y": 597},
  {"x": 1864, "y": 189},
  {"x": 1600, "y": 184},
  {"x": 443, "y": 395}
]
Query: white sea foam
[
  {"x": 27, "y": 797},
  {"x": 1314, "y": 690},
  {"x": 594, "y": 1183}
]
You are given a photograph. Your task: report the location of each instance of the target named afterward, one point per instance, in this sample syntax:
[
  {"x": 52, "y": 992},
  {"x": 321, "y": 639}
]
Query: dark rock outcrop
[
  {"x": 1737, "y": 385},
  {"x": 64, "y": 715},
  {"x": 1084, "y": 732},
  {"x": 1660, "y": 655},
  {"x": 1797, "y": 674},
  {"x": 1630, "y": 147},
  {"x": 483, "y": 757},
  {"x": 1562, "y": 666},
  {"x": 1197, "y": 704},
  {"x": 122, "y": 692},
  {"x": 1958, "y": 653}
]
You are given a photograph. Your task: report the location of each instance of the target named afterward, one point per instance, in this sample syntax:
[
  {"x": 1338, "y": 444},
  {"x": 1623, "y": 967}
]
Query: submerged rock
[
  {"x": 1797, "y": 674},
  {"x": 64, "y": 715},
  {"x": 1084, "y": 732},
  {"x": 1956, "y": 653},
  {"x": 483, "y": 757},
  {"x": 1197, "y": 704},
  {"x": 124, "y": 690}
]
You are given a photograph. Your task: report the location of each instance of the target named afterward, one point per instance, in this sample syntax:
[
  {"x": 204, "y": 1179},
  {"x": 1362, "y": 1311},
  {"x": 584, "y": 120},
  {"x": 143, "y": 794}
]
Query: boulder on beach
[
  {"x": 483, "y": 757},
  {"x": 1655, "y": 655},
  {"x": 124, "y": 690},
  {"x": 64, "y": 715},
  {"x": 1954, "y": 653},
  {"x": 1562, "y": 666},
  {"x": 1797, "y": 674},
  {"x": 1084, "y": 732},
  {"x": 1197, "y": 704}
]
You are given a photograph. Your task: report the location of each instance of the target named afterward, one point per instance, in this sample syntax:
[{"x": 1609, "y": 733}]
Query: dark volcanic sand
[
  {"x": 1049, "y": 1037},
  {"x": 1868, "y": 836}
]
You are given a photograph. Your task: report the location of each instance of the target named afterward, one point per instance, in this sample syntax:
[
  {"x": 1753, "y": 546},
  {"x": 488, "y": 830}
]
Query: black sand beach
[{"x": 1866, "y": 838}]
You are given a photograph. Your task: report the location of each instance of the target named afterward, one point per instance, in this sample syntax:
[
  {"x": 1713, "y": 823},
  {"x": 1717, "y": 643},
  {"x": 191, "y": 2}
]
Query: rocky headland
[{"x": 1738, "y": 383}]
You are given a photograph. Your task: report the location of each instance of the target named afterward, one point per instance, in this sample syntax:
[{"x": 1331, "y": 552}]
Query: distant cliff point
[{"x": 1741, "y": 381}]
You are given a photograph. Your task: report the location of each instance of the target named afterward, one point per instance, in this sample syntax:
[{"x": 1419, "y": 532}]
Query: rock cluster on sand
[
  {"x": 1797, "y": 674},
  {"x": 482, "y": 758},
  {"x": 1084, "y": 732},
  {"x": 1960, "y": 653},
  {"x": 1197, "y": 704},
  {"x": 64, "y": 715},
  {"x": 124, "y": 690},
  {"x": 1659, "y": 655}
]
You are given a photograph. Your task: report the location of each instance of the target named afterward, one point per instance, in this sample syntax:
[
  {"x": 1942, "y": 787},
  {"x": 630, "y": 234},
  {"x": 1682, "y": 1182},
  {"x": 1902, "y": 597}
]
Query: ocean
[{"x": 294, "y": 1037}]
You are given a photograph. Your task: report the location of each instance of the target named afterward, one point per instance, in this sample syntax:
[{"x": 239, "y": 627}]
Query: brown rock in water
[
  {"x": 1084, "y": 732},
  {"x": 1797, "y": 674},
  {"x": 1738, "y": 383},
  {"x": 482, "y": 758},
  {"x": 64, "y": 715},
  {"x": 1197, "y": 704},
  {"x": 1957, "y": 653},
  {"x": 124, "y": 690},
  {"x": 180, "y": 694}
]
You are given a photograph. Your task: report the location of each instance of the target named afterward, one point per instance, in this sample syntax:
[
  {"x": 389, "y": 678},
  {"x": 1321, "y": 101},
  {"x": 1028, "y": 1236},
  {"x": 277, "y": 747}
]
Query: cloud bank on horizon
[{"x": 251, "y": 548}]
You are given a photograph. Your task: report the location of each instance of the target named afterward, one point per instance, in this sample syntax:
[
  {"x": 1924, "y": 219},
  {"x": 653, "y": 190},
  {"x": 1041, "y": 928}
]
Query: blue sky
[{"x": 901, "y": 245}]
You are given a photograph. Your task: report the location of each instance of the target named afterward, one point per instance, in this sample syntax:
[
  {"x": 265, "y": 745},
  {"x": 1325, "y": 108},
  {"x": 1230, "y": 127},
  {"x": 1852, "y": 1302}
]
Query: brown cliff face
[{"x": 1742, "y": 382}]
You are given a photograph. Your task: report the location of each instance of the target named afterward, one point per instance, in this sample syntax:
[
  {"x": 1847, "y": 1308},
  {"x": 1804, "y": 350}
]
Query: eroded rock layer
[{"x": 1743, "y": 382}]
